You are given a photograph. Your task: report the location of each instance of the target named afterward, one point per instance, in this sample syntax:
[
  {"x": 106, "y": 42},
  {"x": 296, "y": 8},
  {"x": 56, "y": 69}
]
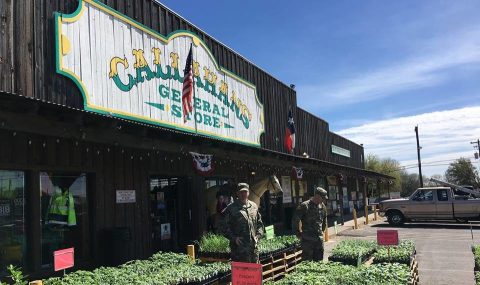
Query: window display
[
  {"x": 12, "y": 222},
  {"x": 64, "y": 219}
]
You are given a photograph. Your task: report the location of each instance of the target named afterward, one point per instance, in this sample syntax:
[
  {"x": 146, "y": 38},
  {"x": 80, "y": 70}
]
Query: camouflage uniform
[
  {"x": 243, "y": 221},
  {"x": 313, "y": 218}
]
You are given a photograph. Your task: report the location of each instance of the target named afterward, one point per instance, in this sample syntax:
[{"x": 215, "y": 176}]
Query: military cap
[
  {"x": 243, "y": 187},
  {"x": 322, "y": 192}
]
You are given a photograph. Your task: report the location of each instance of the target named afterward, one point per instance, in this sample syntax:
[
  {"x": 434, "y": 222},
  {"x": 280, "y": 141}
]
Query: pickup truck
[{"x": 432, "y": 203}]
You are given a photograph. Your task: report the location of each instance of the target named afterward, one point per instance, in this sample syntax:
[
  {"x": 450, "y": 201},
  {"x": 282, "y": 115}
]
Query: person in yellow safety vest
[{"x": 61, "y": 210}]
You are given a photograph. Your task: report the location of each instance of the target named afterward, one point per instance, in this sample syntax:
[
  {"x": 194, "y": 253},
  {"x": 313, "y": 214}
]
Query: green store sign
[{"x": 127, "y": 70}]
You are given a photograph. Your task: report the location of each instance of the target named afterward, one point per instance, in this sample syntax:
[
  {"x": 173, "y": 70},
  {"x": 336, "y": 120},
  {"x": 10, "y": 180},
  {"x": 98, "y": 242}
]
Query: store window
[
  {"x": 64, "y": 215},
  {"x": 12, "y": 219}
]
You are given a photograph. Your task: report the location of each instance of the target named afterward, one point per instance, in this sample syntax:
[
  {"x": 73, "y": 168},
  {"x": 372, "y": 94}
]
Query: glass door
[{"x": 163, "y": 209}]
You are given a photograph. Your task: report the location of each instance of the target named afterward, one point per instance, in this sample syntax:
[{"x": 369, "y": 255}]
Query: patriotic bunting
[{"x": 203, "y": 163}]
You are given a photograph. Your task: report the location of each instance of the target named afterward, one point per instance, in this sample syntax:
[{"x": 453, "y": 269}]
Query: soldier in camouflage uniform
[
  {"x": 312, "y": 214},
  {"x": 243, "y": 226}
]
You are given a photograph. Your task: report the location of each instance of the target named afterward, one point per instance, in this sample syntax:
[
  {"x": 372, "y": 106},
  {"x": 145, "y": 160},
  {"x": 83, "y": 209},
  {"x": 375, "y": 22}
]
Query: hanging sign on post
[
  {"x": 63, "y": 259},
  {"x": 246, "y": 273},
  {"x": 269, "y": 232},
  {"x": 387, "y": 237}
]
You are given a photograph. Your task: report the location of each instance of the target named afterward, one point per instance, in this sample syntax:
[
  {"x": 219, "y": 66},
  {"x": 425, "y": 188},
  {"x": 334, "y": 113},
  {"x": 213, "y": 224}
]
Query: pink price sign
[
  {"x": 246, "y": 273},
  {"x": 63, "y": 259},
  {"x": 387, "y": 237}
]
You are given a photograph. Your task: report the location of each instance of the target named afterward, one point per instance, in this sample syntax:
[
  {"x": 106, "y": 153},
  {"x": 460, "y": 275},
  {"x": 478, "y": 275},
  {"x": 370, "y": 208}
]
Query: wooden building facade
[{"x": 133, "y": 185}]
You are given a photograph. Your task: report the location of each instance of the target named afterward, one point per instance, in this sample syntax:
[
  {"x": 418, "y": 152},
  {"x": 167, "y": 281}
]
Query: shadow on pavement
[{"x": 432, "y": 225}]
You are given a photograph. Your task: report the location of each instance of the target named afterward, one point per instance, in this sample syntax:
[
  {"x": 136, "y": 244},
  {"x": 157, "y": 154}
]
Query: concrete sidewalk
[{"x": 349, "y": 224}]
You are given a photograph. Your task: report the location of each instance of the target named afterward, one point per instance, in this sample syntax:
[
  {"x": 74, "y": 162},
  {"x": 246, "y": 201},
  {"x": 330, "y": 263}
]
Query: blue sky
[{"x": 364, "y": 64}]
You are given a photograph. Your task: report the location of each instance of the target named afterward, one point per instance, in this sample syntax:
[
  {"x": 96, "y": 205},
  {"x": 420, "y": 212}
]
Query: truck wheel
[{"x": 395, "y": 218}]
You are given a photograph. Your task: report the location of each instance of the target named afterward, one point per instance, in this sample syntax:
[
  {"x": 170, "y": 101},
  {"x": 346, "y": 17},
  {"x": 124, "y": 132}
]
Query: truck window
[
  {"x": 425, "y": 195},
  {"x": 442, "y": 195}
]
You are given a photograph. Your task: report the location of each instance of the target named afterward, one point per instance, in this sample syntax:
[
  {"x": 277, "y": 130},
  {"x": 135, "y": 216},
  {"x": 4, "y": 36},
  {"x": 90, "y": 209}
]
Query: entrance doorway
[{"x": 170, "y": 212}]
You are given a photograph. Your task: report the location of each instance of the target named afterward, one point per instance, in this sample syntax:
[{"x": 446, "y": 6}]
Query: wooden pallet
[
  {"x": 277, "y": 266},
  {"x": 274, "y": 266},
  {"x": 414, "y": 277}
]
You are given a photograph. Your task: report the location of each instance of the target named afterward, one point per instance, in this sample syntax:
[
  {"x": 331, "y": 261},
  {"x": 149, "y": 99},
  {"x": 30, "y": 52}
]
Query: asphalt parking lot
[{"x": 443, "y": 248}]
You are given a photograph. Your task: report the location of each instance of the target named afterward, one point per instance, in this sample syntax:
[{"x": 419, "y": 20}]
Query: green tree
[
  {"x": 387, "y": 166},
  {"x": 410, "y": 183},
  {"x": 462, "y": 172}
]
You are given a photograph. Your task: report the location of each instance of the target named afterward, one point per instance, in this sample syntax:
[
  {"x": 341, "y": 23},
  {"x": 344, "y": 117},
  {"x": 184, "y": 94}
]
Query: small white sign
[{"x": 125, "y": 196}]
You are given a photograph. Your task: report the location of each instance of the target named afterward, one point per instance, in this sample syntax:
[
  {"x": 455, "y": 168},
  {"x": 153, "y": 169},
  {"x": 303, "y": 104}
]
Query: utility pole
[
  {"x": 419, "y": 161},
  {"x": 477, "y": 154},
  {"x": 478, "y": 146}
]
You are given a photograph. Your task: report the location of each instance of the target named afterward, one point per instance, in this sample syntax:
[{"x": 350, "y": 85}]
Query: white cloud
[
  {"x": 426, "y": 69},
  {"x": 444, "y": 137}
]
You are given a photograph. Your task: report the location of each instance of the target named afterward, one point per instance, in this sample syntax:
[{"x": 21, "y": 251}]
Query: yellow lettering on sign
[
  {"x": 223, "y": 87},
  {"x": 213, "y": 78},
  {"x": 196, "y": 68},
  {"x": 156, "y": 55},
  {"x": 207, "y": 73},
  {"x": 174, "y": 59},
  {"x": 139, "y": 58},
  {"x": 113, "y": 65}
]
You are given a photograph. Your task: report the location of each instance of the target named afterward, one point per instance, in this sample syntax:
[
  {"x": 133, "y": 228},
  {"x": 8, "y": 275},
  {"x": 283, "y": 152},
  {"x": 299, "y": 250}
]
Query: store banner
[
  {"x": 127, "y": 70},
  {"x": 203, "y": 163},
  {"x": 287, "y": 189}
]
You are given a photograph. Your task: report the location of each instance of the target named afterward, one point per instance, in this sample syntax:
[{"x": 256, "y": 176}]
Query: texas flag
[{"x": 290, "y": 133}]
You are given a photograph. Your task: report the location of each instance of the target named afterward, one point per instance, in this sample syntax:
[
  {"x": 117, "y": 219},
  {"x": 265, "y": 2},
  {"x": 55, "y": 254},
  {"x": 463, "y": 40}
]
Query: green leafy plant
[
  {"x": 399, "y": 254},
  {"x": 16, "y": 276},
  {"x": 163, "y": 268},
  {"x": 319, "y": 273},
  {"x": 477, "y": 277},
  {"x": 476, "y": 254},
  {"x": 350, "y": 251},
  {"x": 212, "y": 244}
]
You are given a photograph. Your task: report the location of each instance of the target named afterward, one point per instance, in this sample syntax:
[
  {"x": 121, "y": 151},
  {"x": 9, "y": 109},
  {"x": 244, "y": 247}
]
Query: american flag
[
  {"x": 187, "y": 93},
  {"x": 290, "y": 133}
]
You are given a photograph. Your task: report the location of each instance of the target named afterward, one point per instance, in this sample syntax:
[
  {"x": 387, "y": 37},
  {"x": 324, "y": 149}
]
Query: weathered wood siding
[
  {"x": 356, "y": 152},
  {"x": 312, "y": 135}
]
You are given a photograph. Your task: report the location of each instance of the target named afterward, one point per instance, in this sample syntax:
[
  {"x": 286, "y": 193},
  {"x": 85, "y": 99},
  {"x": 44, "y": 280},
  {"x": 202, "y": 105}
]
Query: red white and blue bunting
[
  {"x": 203, "y": 163},
  {"x": 297, "y": 173}
]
